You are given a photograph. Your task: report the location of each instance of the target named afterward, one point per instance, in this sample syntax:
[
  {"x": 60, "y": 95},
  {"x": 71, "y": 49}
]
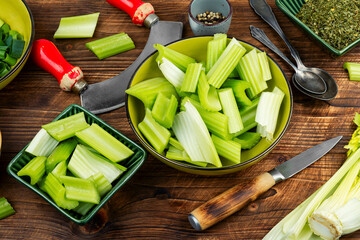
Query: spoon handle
[
  {"x": 262, "y": 8},
  {"x": 260, "y": 35}
]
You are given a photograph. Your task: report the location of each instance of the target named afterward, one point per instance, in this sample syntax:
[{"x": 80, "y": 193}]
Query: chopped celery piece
[
  {"x": 82, "y": 26},
  {"x": 53, "y": 187},
  {"x": 83, "y": 208},
  {"x": 110, "y": 46},
  {"x": 249, "y": 69},
  {"x": 164, "y": 110},
  {"x": 228, "y": 149},
  {"x": 208, "y": 95},
  {"x": 180, "y": 60},
  {"x": 191, "y": 78},
  {"x": 239, "y": 87},
  {"x": 264, "y": 66},
  {"x": 35, "y": 169},
  {"x": 175, "y": 143},
  {"x": 79, "y": 189},
  {"x": 61, "y": 153},
  {"x": 216, "y": 122},
  {"x": 230, "y": 109},
  {"x": 354, "y": 70},
  {"x": 248, "y": 115},
  {"x": 172, "y": 73},
  {"x": 67, "y": 127},
  {"x": 181, "y": 155},
  {"x": 85, "y": 163},
  {"x": 17, "y": 48},
  {"x": 60, "y": 169},
  {"x": 157, "y": 135},
  {"x": 214, "y": 49},
  {"x": 10, "y": 60},
  {"x": 225, "y": 64},
  {"x": 148, "y": 90},
  {"x": 5, "y": 207},
  {"x": 5, "y": 28},
  {"x": 104, "y": 143},
  {"x": 268, "y": 111},
  {"x": 192, "y": 133},
  {"x": 103, "y": 186},
  {"x": 248, "y": 140},
  {"x": 1, "y": 22}
]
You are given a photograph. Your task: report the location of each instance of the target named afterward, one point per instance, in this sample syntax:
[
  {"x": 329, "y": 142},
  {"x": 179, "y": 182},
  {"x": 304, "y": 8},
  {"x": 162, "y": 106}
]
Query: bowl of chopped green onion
[
  {"x": 17, "y": 32},
  {"x": 333, "y": 24},
  {"x": 209, "y": 105}
]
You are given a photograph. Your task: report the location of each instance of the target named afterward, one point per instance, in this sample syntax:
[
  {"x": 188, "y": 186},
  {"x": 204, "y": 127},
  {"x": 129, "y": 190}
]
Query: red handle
[
  {"x": 136, "y": 9},
  {"x": 48, "y": 57}
]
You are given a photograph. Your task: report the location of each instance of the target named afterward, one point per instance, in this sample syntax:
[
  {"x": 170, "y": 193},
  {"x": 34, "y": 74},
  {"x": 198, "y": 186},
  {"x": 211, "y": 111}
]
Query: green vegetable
[
  {"x": 181, "y": 155},
  {"x": 10, "y": 60},
  {"x": 231, "y": 110},
  {"x": 264, "y": 66},
  {"x": 82, "y": 26},
  {"x": 208, "y": 95},
  {"x": 214, "y": 49},
  {"x": 103, "y": 186},
  {"x": 67, "y": 127},
  {"x": 354, "y": 70},
  {"x": 248, "y": 140},
  {"x": 17, "y": 48},
  {"x": 104, "y": 143},
  {"x": 83, "y": 208},
  {"x": 228, "y": 149},
  {"x": 239, "y": 87},
  {"x": 35, "y": 169},
  {"x": 82, "y": 190},
  {"x": 60, "y": 170},
  {"x": 248, "y": 115},
  {"x": 157, "y": 135},
  {"x": 61, "y": 153},
  {"x": 110, "y": 46},
  {"x": 191, "y": 78},
  {"x": 42, "y": 144},
  {"x": 5, "y": 207},
  {"x": 172, "y": 73},
  {"x": 164, "y": 110}
]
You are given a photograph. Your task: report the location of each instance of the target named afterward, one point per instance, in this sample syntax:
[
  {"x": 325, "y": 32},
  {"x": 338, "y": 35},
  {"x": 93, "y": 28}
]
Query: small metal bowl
[{"x": 200, "y": 6}]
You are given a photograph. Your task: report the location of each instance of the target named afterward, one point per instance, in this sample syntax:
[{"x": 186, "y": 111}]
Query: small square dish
[
  {"x": 291, "y": 7},
  {"x": 132, "y": 164}
]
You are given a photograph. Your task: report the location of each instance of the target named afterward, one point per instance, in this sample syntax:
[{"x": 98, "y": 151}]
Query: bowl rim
[
  {"x": 27, "y": 50},
  {"x": 212, "y": 169},
  {"x": 212, "y": 25}
]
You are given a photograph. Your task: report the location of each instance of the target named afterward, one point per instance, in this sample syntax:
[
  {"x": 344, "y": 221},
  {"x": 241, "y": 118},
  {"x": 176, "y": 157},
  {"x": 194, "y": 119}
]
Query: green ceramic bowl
[
  {"x": 196, "y": 48},
  {"x": 291, "y": 8},
  {"x": 17, "y": 14},
  {"x": 132, "y": 164}
]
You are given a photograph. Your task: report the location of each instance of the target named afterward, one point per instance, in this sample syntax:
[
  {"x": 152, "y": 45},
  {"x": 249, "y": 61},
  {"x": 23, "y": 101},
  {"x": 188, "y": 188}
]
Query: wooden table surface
[{"x": 155, "y": 203}]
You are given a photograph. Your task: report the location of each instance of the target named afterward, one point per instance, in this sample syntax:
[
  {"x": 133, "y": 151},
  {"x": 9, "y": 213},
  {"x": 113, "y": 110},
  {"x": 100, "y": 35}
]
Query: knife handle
[
  {"x": 46, "y": 55},
  {"x": 230, "y": 201},
  {"x": 137, "y": 10}
]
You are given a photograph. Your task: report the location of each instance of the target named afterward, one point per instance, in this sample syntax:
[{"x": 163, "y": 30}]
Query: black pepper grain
[{"x": 210, "y": 18}]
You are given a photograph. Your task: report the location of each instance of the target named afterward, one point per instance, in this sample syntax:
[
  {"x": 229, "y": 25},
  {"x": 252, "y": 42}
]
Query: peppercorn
[{"x": 210, "y": 18}]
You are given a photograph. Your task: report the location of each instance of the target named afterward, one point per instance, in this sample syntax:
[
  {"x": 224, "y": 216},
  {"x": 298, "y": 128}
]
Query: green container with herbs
[{"x": 333, "y": 24}]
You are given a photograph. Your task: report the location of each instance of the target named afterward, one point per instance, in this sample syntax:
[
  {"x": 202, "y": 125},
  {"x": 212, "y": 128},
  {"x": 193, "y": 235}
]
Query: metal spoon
[
  {"x": 331, "y": 92},
  {"x": 315, "y": 83}
]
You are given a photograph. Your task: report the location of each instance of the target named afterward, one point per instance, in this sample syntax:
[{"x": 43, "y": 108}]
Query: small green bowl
[
  {"x": 132, "y": 164},
  {"x": 196, "y": 47},
  {"x": 291, "y": 7},
  {"x": 17, "y": 14}
]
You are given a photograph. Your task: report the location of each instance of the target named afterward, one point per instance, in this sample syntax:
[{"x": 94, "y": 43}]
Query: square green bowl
[
  {"x": 132, "y": 164},
  {"x": 291, "y": 8}
]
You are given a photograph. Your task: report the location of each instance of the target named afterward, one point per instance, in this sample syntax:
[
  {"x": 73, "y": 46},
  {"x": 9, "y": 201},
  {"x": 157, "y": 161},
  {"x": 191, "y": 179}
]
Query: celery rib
[
  {"x": 5, "y": 208},
  {"x": 214, "y": 49},
  {"x": 191, "y": 78},
  {"x": 79, "y": 189},
  {"x": 164, "y": 110},
  {"x": 180, "y": 60},
  {"x": 230, "y": 109},
  {"x": 228, "y": 149},
  {"x": 208, "y": 95},
  {"x": 35, "y": 169}
]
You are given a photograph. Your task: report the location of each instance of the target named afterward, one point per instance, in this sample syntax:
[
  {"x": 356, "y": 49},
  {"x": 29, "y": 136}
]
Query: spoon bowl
[{"x": 310, "y": 80}]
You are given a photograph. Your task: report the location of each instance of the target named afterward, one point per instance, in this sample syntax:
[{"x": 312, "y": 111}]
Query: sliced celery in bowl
[
  {"x": 196, "y": 48},
  {"x": 132, "y": 164}
]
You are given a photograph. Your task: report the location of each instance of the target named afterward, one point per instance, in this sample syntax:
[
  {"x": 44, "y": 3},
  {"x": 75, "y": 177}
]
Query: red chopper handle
[
  {"x": 46, "y": 55},
  {"x": 137, "y": 10}
]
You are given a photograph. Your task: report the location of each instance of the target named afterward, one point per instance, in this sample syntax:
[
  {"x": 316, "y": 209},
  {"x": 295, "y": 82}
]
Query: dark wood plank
[{"x": 156, "y": 202}]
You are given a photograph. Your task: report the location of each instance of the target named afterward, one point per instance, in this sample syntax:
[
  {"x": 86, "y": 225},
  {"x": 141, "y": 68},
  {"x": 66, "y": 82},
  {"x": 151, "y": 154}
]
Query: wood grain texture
[{"x": 155, "y": 203}]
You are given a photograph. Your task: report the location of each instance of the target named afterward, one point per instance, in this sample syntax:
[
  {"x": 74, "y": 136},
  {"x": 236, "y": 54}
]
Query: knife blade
[{"x": 240, "y": 195}]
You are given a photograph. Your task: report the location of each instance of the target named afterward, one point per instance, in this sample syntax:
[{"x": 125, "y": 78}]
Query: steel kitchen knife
[
  {"x": 240, "y": 195},
  {"x": 110, "y": 94}
]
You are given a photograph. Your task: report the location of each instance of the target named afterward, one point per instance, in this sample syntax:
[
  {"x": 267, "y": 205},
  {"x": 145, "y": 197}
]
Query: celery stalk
[
  {"x": 65, "y": 128},
  {"x": 208, "y": 95},
  {"x": 191, "y": 78},
  {"x": 228, "y": 149},
  {"x": 42, "y": 144},
  {"x": 103, "y": 186},
  {"x": 175, "y": 143},
  {"x": 104, "y": 143},
  {"x": 239, "y": 88},
  {"x": 353, "y": 69},
  {"x": 5, "y": 208},
  {"x": 79, "y": 189},
  {"x": 164, "y": 110},
  {"x": 35, "y": 169},
  {"x": 157, "y": 135},
  {"x": 248, "y": 140},
  {"x": 180, "y": 60},
  {"x": 148, "y": 90},
  {"x": 110, "y": 46},
  {"x": 61, "y": 153},
  {"x": 214, "y": 49},
  {"x": 230, "y": 109},
  {"x": 85, "y": 163},
  {"x": 181, "y": 155},
  {"x": 249, "y": 69},
  {"x": 1, "y": 22},
  {"x": 225, "y": 64},
  {"x": 77, "y": 27},
  {"x": 264, "y": 66},
  {"x": 60, "y": 169},
  {"x": 83, "y": 208},
  {"x": 172, "y": 73}
]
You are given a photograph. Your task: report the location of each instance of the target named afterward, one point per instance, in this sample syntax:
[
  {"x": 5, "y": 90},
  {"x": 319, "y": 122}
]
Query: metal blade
[
  {"x": 110, "y": 94},
  {"x": 304, "y": 159}
]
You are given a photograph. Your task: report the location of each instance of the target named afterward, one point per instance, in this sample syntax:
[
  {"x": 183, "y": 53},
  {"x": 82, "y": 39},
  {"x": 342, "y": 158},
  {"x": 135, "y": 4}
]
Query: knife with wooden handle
[{"x": 245, "y": 192}]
